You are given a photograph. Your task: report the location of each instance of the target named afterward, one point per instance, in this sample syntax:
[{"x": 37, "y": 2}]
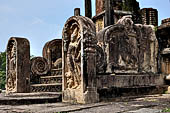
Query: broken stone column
[
  {"x": 109, "y": 13},
  {"x": 88, "y": 8},
  {"x": 77, "y": 12},
  {"x": 18, "y": 66},
  {"x": 79, "y": 61}
]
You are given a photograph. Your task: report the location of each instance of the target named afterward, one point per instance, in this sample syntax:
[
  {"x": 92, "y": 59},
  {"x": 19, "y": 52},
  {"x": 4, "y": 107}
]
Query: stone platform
[
  {"x": 111, "y": 86},
  {"x": 129, "y": 80},
  {"x": 29, "y": 98}
]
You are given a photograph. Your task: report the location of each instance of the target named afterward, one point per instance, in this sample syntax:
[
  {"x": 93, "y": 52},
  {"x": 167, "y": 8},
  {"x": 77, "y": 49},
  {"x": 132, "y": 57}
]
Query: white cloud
[{"x": 37, "y": 20}]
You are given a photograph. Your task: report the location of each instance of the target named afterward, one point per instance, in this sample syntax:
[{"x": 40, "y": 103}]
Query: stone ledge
[{"x": 30, "y": 98}]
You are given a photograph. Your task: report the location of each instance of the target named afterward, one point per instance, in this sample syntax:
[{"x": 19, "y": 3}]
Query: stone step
[
  {"x": 56, "y": 72},
  {"x": 57, "y": 87},
  {"x": 30, "y": 98},
  {"x": 51, "y": 79}
]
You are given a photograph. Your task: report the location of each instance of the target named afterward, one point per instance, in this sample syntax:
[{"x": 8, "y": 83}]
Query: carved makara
[{"x": 39, "y": 66}]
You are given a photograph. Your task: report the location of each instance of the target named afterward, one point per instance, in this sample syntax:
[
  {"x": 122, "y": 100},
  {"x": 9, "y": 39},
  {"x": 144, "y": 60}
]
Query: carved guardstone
[
  {"x": 52, "y": 51},
  {"x": 129, "y": 47},
  {"x": 18, "y": 66},
  {"x": 79, "y": 61}
]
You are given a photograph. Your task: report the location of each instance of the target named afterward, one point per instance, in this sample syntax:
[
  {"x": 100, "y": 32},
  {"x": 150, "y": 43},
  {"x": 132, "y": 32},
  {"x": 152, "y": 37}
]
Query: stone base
[
  {"x": 77, "y": 96},
  {"x": 129, "y": 80},
  {"x": 91, "y": 96}
]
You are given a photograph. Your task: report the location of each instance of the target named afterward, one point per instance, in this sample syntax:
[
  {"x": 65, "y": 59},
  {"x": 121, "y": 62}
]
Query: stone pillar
[
  {"x": 18, "y": 66},
  {"x": 79, "y": 61},
  {"x": 77, "y": 12},
  {"x": 99, "y": 6},
  {"x": 88, "y": 8},
  {"x": 109, "y": 13}
]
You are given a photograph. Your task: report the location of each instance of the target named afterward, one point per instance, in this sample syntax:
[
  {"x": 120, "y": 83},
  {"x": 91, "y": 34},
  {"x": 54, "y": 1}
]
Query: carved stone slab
[
  {"x": 39, "y": 67},
  {"x": 18, "y": 66},
  {"x": 52, "y": 51},
  {"x": 79, "y": 61},
  {"x": 129, "y": 48}
]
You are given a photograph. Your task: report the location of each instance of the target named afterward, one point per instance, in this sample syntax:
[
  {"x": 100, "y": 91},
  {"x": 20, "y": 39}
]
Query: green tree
[{"x": 2, "y": 70}]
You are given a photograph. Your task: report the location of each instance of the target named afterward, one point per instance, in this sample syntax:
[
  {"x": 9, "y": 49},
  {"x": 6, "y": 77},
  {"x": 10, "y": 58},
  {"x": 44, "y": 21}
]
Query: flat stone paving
[{"x": 144, "y": 104}]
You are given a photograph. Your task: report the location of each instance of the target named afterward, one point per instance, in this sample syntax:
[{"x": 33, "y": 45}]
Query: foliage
[
  {"x": 2, "y": 70},
  {"x": 166, "y": 110},
  {"x": 32, "y": 56}
]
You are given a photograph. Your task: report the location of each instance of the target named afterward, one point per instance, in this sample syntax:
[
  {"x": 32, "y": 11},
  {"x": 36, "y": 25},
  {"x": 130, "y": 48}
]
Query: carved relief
[
  {"x": 129, "y": 48},
  {"x": 39, "y": 66},
  {"x": 18, "y": 66},
  {"x": 73, "y": 73},
  {"x": 79, "y": 60},
  {"x": 11, "y": 57},
  {"x": 52, "y": 52}
]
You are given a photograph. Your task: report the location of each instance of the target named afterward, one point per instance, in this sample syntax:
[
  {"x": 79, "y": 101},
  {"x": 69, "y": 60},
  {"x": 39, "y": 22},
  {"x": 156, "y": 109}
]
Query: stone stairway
[{"x": 49, "y": 83}]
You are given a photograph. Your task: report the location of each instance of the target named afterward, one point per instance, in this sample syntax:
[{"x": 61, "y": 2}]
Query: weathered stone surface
[
  {"x": 15, "y": 99},
  {"x": 79, "y": 60},
  {"x": 51, "y": 79},
  {"x": 18, "y": 66},
  {"x": 109, "y": 13},
  {"x": 163, "y": 35},
  {"x": 129, "y": 80},
  {"x": 129, "y": 48},
  {"x": 39, "y": 66},
  {"x": 56, "y": 87},
  {"x": 52, "y": 51},
  {"x": 88, "y": 8}
]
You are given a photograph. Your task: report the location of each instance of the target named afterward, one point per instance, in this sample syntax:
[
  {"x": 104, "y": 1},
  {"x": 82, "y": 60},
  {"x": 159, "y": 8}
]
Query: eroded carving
[
  {"x": 73, "y": 73},
  {"x": 79, "y": 59},
  {"x": 129, "y": 47},
  {"x": 11, "y": 57},
  {"x": 52, "y": 52},
  {"x": 18, "y": 66},
  {"x": 39, "y": 67}
]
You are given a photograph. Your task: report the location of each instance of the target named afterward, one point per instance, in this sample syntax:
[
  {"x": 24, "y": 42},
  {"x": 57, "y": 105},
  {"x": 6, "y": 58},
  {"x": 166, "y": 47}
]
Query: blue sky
[{"x": 42, "y": 20}]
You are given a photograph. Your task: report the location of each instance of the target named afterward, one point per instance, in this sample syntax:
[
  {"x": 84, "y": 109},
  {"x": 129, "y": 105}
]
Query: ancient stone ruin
[
  {"x": 129, "y": 47},
  {"x": 18, "y": 65},
  {"x": 79, "y": 60},
  {"x": 121, "y": 58}
]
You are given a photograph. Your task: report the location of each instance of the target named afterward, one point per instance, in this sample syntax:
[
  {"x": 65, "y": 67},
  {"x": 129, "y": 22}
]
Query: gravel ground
[{"x": 145, "y": 104}]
